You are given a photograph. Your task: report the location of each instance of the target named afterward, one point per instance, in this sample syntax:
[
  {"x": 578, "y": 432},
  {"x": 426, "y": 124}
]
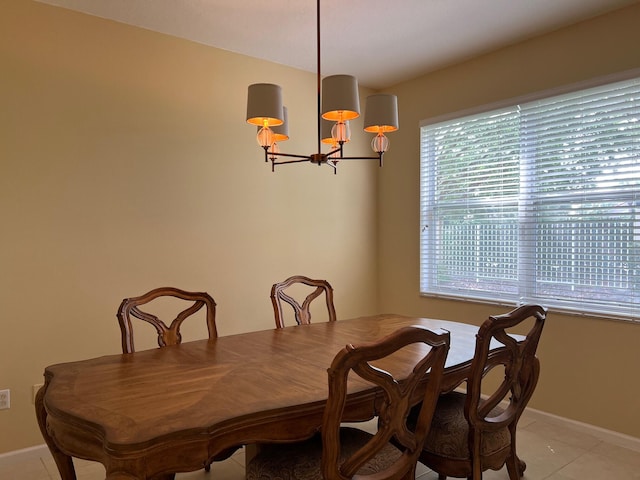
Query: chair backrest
[
  {"x": 302, "y": 310},
  {"x": 517, "y": 359},
  {"x": 167, "y": 334},
  {"x": 425, "y": 351}
]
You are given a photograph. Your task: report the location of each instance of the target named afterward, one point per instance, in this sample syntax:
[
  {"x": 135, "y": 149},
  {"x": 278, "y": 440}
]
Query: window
[{"x": 537, "y": 202}]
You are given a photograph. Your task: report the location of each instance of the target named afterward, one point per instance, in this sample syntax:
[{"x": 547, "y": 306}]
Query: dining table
[{"x": 155, "y": 412}]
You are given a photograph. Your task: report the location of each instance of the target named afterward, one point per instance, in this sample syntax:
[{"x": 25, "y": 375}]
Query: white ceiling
[{"x": 380, "y": 42}]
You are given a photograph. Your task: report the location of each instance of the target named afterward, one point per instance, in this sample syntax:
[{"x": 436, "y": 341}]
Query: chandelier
[{"x": 338, "y": 103}]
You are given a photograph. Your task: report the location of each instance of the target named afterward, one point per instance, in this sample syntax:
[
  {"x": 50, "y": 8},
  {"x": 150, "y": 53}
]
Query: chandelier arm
[
  {"x": 339, "y": 149},
  {"x": 303, "y": 158},
  {"x": 286, "y": 162}
]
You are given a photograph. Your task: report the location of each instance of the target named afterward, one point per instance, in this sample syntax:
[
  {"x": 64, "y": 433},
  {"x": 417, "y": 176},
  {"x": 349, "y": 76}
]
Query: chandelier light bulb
[
  {"x": 380, "y": 143},
  {"x": 265, "y": 137},
  {"x": 341, "y": 132},
  {"x": 274, "y": 150},
  {"x": 336, "y": 154}
]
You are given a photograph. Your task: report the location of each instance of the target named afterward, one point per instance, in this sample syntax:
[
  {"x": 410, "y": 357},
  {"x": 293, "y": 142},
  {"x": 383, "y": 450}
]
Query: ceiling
[{"x": 380, "y": 42}]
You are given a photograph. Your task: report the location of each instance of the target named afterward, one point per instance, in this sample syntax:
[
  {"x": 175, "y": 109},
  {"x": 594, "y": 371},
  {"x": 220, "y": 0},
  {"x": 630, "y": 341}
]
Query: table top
[{"x": 268, "y": 385}]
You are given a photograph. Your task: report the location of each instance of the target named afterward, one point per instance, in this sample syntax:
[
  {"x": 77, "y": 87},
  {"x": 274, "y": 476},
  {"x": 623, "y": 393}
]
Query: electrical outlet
[
  {"x": 35, "y": 388},
  {"x": 5, "y": 399}
]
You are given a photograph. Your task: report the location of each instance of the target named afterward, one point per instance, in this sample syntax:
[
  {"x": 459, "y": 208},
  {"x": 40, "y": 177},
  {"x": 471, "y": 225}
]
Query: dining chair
[
  {"x": 340, "y": 452},
  {"x": 167, "y": 334},
  {"x": 472, "y": 432},
  {"x": 302, "y": 312}
]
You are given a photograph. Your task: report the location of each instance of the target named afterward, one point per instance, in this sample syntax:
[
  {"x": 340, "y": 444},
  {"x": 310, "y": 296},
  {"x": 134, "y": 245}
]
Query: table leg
[
  {"x": 250, "y": 451},
  {"x": 63, "y": 461}
]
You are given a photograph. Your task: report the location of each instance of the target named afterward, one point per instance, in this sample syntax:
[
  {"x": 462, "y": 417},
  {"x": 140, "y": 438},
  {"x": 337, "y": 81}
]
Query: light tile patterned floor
[{"x": 554, "y": 449}]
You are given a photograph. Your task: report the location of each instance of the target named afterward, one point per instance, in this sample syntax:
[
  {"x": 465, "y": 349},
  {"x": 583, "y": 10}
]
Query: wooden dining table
[{"x": 173, "y": 409}]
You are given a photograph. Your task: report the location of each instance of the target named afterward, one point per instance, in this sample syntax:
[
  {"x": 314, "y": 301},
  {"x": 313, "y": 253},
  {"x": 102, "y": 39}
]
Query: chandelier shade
[
  {"x": 264, "y": 105},
  {"x": 381, "y": 113},
  {"x": 325, "y": 130},
  {"x": 281, "y": 132},
  {"x": 340, "y": 99}
]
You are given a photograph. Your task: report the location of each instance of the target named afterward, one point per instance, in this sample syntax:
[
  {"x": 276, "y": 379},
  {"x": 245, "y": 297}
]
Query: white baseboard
[
  {"x": 604, "y": 434},
  {"x": 36, "y": 451}
]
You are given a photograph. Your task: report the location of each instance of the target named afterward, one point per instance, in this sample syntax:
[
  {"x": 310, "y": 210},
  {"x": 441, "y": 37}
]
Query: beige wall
[
  {"x": 126, "y": 164},
  {"x": 589, "y": 366}
]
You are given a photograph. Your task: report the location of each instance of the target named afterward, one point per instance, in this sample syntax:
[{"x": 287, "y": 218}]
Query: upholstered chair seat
[
  {"x": 303, "y": 460},
  {"x": 449, "y": 433}
]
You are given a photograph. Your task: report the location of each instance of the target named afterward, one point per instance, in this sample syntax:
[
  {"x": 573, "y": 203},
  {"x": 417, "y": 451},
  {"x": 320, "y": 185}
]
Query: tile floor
[{"x": 553, "y": 448}]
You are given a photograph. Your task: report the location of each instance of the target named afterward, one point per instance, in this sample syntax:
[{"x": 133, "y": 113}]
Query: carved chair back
[
  {"x": 168, "y": 334},
  {"x": 518, "y": 361},
  {"x": 302, "y": 311},
  {"x": 519, "y": 368},
  {"x": 396, "y": 400}
]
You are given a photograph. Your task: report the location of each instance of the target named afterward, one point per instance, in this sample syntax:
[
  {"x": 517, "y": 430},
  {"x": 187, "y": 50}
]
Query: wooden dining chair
[
  {"x": 340, "y": 452},
  {"x": 472, "y": 432},
  {"x": 302, "y": 312},
  {"x": 168, "y": 334}
]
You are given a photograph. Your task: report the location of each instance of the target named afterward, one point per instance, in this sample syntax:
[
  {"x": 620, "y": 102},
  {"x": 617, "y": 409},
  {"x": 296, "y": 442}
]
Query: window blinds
[{"x": 538, "y": 202}]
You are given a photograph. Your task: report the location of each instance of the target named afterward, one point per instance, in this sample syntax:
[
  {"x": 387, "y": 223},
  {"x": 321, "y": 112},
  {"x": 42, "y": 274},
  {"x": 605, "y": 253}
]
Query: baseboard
[
  {"x": 604, "y": 434},
  {"x": 36, "y": 451}
]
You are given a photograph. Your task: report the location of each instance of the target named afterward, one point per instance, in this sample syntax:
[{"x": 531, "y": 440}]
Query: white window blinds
[{"x": 538, "y": 202}]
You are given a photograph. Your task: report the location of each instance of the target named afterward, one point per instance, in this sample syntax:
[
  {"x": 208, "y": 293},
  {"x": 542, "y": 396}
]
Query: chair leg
[
  {"x": 515, "y": 466},
  {"x": 521, "y": 466},
  {"x": 207, "y": 467}
]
